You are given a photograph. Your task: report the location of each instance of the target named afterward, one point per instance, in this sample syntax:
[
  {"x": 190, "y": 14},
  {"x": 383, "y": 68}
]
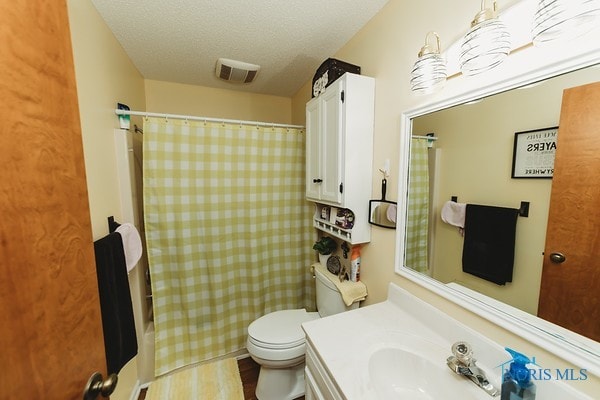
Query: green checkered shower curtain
[
  {"x": 418, "y": 207},
  {"x": 228, "y": 233}
]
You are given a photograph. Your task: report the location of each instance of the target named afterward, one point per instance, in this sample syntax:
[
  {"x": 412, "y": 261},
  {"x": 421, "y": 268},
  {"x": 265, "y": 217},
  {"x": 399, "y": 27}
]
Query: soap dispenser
[{"x": 516, "y": 382}]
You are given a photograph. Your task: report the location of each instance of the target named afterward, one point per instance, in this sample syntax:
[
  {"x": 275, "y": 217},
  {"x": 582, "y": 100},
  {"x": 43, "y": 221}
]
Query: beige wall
[
  {"x": 386, "y": 48},
  {"x": 177, "y": 98},
  {"x": 105, "y": 76}
]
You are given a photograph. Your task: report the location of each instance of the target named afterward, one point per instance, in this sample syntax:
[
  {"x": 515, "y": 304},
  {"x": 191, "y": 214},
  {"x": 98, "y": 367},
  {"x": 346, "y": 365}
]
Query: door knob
[
  {"x": 557, "y": 258},
  {"x": 317, "y": 180},
  {"x": 99, "y": 386}
]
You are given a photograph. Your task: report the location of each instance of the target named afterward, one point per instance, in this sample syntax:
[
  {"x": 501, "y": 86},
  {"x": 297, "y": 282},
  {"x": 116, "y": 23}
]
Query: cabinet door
[
  {"x": 313, "y": 150},
  {"x": 331, "y": 143},
  {"x": 311, "y": 389}
]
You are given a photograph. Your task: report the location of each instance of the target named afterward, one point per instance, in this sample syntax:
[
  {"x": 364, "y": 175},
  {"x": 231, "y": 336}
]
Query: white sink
[
  {"x": 397, "y": 349},
  {"x": 410, "y": 368}
]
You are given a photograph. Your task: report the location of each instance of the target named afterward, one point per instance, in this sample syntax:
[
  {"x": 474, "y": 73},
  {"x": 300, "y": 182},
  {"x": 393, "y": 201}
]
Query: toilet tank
[{"x": 329, "y": 299}]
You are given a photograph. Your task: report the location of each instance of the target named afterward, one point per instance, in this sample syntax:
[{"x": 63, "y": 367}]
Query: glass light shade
[
  {"x": 485, "y": 46},
  {"x": 562, "y": 20},
  {"x": 429, "y": 72}
]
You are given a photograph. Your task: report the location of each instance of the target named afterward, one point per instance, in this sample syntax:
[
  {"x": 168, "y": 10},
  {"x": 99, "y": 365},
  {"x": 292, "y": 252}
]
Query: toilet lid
[{"x": 280, "y": 328}]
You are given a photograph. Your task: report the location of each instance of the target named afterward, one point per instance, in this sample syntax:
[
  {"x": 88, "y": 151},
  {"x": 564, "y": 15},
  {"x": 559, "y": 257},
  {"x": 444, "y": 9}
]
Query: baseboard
[{"x": 137, "y": 390}]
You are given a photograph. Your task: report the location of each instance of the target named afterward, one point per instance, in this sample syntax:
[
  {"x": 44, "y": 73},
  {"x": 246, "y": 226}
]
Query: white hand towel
[
  {"x": 132, "y": 244},
  {"x": 391, "y": 213},
  {"x": 453, "y": 213}
]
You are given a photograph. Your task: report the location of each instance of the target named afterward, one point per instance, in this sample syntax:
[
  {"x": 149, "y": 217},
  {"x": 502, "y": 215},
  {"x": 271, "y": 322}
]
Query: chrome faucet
[{"x": 463, "y": 363}]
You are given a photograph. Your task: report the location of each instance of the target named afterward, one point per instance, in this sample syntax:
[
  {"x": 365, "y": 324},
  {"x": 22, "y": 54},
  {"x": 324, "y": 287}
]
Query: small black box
[{"x": 329, "y": 72}]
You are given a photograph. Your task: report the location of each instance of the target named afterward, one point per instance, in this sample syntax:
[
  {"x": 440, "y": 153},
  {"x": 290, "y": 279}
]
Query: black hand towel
[
  {"x": 120, "y": 342},
  {"x": 489, "y": 244}
]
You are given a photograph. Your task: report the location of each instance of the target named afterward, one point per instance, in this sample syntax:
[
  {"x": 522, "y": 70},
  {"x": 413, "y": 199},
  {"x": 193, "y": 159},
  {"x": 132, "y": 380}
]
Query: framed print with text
[{"x": 533, "y": 153}]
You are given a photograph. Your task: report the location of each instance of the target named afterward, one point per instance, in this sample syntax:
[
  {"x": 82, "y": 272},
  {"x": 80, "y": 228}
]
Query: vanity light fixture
[
  {"x": 564, "y": 19},
  {"x": 429, "y": 72},
  {"x": 486, "y": 44}
]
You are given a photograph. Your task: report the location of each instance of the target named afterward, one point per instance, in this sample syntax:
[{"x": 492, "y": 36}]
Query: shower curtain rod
[
  {"x": 205, "y": 119},
  {"x": 424, "y": 137}
]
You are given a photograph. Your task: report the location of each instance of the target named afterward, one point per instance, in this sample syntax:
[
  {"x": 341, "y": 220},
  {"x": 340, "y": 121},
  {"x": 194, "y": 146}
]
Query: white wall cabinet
[{"x": 339, "y": 153}]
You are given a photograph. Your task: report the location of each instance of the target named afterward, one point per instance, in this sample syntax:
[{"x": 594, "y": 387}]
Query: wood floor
[{"x": 249, "y": 370}]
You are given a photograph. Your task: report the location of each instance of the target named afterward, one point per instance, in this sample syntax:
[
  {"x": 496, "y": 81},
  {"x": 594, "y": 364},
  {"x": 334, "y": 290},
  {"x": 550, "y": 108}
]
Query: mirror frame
[{"x": 579, "y": 350}]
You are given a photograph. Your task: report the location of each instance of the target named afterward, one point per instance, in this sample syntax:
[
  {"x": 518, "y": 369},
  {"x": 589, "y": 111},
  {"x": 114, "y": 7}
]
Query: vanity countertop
[{"x": 344, "y": 344}]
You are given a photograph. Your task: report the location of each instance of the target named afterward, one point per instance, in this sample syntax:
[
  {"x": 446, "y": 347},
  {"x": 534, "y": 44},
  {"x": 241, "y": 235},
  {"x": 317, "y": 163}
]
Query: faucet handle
[
  {"x": 463, "y": 352},
  {"x": 463, "y": 363}
]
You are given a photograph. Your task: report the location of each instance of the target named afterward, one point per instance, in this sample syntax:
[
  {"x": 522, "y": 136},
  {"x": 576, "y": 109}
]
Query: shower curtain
[
  {"x": 417, "y": 225},
  {"x": 228, "y": 233}
]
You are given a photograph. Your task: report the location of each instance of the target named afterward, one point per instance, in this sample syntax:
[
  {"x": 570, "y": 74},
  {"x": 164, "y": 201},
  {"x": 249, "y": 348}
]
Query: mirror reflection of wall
[{"x": 473, "y": 161}]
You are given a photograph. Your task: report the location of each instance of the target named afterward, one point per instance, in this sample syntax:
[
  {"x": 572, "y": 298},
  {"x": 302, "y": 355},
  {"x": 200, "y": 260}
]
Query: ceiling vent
[{"x": 236, "y": 71}]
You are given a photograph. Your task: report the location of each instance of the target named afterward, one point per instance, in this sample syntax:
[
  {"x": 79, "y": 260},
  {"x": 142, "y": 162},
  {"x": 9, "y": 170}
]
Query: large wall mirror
[{"x": 471, "y": 161}]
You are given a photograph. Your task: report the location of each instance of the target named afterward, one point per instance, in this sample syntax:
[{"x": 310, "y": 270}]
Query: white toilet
[{"x": 276, "y": 342}]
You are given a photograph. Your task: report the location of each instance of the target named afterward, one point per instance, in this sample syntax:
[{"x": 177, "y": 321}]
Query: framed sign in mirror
[{"x": 533, "y": 153}]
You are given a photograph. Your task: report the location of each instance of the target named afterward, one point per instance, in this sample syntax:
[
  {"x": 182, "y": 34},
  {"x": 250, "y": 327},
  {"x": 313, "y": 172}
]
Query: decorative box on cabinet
[{"x": 339, "y": 153}]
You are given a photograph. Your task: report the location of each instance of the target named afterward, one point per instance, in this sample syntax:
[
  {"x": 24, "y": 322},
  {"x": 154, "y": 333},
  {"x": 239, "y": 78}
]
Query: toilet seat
[
  {"x": 280, "y": 329},
  {"x": 279, "y": 335}
]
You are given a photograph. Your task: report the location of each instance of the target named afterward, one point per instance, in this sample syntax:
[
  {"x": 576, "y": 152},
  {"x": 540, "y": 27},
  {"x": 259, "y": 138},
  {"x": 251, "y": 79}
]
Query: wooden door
[
  {"x": 570, "y": 291},
  {"x": 50, "y": 331}
]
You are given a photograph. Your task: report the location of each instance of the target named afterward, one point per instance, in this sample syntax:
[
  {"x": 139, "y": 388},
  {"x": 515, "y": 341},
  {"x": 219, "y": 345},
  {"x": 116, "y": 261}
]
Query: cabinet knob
[{"x": 317, "y": 180}]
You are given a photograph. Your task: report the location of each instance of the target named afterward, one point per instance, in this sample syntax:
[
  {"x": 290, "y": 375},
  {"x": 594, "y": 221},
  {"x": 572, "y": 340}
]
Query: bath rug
[{"x": 219, "y": 380}]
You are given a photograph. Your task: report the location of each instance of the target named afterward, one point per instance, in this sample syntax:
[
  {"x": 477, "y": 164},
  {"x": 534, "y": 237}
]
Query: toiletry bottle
[
  {"x": 516, "y": 381},
  {"x": 355, "y": 264}
]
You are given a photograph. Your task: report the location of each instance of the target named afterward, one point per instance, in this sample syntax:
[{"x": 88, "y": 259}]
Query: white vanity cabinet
[
  {"x": 339, "y": 152},
  {"x": 319, "y": 386}
]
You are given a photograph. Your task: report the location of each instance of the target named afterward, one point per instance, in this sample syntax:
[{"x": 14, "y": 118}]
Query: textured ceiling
[{"x": 181, "y": 40}]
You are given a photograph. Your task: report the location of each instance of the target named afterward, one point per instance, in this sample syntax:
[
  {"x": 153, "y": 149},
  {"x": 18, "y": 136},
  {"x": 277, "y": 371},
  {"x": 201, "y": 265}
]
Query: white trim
[
  {"x": 581, "y": 351},
  {"x": 137, "y": 389}
]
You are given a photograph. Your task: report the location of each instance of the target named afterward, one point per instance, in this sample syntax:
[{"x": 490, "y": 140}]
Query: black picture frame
[{"x": 533, "y": 153}]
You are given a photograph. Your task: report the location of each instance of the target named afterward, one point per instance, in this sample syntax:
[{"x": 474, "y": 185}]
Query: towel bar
[
  {"x": 112, "y": 224},
  {"x": 523, "y": 209}
]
